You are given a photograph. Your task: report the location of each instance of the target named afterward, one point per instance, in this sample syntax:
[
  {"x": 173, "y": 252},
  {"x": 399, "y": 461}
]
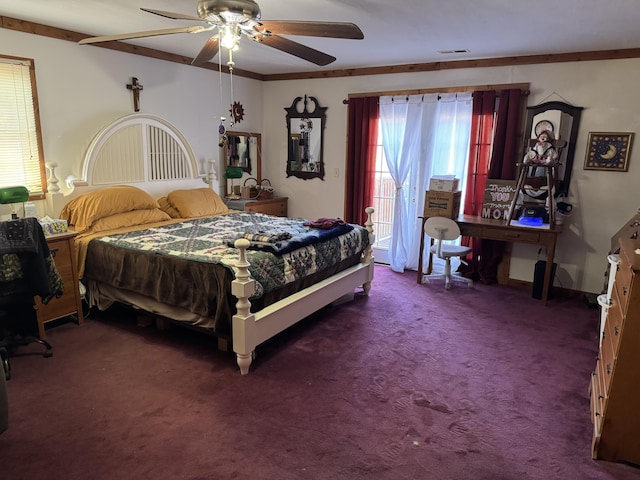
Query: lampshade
[
  {"x": 13, "y": 195},
  {"x": 233, "y": 172}
]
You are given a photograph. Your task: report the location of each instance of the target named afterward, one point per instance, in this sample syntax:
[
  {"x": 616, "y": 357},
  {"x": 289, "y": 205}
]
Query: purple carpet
[{"x": 413, "y": 382}]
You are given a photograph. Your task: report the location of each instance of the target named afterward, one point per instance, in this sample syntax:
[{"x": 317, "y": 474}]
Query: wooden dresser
[
  {"x": 69, "y": 304},
  {"x": 272, "y": 206},
  {"x": 615, "y": 383}
]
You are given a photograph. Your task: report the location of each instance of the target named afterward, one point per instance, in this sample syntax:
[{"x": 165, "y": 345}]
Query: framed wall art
[{"x": 608, "y": 151}]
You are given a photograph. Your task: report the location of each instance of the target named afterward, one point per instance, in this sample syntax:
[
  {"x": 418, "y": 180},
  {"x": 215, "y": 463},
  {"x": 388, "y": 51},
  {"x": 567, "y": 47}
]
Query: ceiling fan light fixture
[{"x": 230, "y": 37}]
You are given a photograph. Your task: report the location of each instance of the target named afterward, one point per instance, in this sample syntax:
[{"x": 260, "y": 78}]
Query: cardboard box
[
  {"x": 442, "y": 204},
  {"x": 444, "y": 183}
]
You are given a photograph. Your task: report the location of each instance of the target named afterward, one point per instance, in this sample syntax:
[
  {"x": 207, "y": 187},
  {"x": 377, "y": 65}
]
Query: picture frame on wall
[{"x": 608, "y": 151}]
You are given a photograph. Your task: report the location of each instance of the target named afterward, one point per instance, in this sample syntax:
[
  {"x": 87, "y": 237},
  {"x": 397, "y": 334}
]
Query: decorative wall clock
[
  {"x": 237, "y": 112},
  {"x": 608, "y": 151},
  {"x": 543, "y": 125}
]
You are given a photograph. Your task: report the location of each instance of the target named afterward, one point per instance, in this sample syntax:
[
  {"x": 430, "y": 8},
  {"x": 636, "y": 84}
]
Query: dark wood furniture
[
  {"x": 70, "y": 303},
  {"x": 615, "y": 383},
  {"x": 490, "y": 229}
]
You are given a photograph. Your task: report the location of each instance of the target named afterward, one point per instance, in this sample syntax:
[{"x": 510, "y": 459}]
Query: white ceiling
[{"x": 396, "y": 33}]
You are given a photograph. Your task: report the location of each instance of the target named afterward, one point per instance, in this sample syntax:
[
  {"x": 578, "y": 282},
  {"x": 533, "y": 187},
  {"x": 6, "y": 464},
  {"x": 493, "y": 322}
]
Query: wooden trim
[{"x": 61, "y": 34}]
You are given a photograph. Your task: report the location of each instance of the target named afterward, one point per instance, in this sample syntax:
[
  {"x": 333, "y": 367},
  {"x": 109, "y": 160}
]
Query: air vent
[{"x": 462, "y": 50}]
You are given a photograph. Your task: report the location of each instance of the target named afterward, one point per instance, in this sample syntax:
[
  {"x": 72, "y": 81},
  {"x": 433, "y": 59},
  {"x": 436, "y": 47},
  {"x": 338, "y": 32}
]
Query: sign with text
[{"x": 498, "y": 195}]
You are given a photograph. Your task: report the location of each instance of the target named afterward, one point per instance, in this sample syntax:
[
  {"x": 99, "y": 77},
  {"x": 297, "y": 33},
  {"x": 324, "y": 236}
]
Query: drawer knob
[
  {"x": 608, "y": 368},
  {"x": 616, "y": 330},
  {"x": 54, "y": 252},
  {"x": 624, "y": 290}
]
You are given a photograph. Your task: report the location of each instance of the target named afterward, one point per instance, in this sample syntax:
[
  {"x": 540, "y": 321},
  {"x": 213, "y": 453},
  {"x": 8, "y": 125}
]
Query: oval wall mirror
[
  {"x": 305, "y": 128},
  {"x": 563, "y": 121}
]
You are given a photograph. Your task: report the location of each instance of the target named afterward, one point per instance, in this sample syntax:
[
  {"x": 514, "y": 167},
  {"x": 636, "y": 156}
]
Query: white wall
[
  {"x": 82, "y": 88},
  {"x": 603, "y": 201}
]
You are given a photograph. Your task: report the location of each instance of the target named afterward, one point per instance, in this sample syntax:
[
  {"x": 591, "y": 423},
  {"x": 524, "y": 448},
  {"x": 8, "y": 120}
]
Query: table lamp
[
  {"x": 233, "y": 173},
  {"x": 11, "y": 195}
]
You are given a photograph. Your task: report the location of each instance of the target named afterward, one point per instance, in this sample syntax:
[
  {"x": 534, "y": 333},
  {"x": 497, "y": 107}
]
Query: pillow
[
  {"x": 197, "y": 202},
  {"x": 80, "y": 213},
  {"x": 166, "y": 207},
  {"x": 129, "y": 219}
]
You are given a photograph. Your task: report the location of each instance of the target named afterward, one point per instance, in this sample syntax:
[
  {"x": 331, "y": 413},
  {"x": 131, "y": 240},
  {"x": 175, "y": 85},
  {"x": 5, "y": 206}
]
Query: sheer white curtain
[{"x": 422, "y": 135}]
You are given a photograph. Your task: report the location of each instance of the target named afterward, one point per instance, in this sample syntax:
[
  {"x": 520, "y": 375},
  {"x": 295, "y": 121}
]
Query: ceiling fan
[{"x": 234, "y": 18}]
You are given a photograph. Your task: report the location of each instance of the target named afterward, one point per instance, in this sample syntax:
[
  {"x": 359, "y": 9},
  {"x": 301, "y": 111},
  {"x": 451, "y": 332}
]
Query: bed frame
[{"x": 158, "y": 159}]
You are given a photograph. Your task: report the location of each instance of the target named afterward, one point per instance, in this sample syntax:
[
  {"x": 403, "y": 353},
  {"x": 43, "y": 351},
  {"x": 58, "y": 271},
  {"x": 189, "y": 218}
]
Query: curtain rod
[{"x": 470, "y": 88}]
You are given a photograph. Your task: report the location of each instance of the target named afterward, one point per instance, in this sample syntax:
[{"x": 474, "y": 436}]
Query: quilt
[{"x": 282, "y": 251}]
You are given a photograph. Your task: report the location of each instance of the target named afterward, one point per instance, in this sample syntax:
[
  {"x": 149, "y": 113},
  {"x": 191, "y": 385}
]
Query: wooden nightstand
[
  {"x": 272, "y": 206},
  {"x": 64, "y": 254}
]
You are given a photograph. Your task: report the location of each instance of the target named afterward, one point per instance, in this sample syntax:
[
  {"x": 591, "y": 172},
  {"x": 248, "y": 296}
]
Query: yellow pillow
[
  {"x": 80, "y": 213},
  {"x": 166, "y": 207},
  {"x": 129, "y": 219},
  {"x": 197, "y": 202}
]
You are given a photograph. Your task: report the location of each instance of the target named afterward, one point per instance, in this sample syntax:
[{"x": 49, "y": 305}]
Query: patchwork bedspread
[{"x": 283, "y": 250}]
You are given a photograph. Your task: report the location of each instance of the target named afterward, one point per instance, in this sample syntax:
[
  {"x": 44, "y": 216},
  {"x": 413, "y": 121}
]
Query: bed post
[
  {"x": 242, "y": 288},
  {"x": 367, "y": 258}
]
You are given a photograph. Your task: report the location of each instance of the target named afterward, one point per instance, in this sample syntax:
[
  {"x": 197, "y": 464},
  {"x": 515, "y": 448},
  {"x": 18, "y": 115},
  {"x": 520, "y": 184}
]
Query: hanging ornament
[{"x": 237, "y": 112}]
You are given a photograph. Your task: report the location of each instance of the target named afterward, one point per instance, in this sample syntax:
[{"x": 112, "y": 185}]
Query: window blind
[{"x": 20, "y": 156}]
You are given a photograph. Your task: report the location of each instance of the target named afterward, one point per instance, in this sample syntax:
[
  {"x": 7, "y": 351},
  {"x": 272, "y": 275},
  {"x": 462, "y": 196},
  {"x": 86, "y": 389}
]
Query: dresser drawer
[
  {"x": 622, "y": 284},
  {"x": 276, "y": 207},
  {"x": 606, "y": 364},
  {"x": 613, "y": 325}
]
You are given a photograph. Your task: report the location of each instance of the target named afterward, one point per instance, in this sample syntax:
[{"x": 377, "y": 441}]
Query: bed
[{"x": 181, "y": 254}]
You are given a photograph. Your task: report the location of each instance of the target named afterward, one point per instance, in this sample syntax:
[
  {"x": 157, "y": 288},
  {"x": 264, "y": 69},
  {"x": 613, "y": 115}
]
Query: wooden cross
[{"x": 135, "y": 88}]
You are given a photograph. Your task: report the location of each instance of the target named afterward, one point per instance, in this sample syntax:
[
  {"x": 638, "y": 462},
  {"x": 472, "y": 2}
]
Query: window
[{"x": 21, "y": 158}]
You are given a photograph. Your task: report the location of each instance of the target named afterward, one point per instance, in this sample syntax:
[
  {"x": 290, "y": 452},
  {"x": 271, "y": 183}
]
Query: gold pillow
[
  {"x": 80, "y": 213},
  {"x": 166, "y": 207},
  {"x": 129, "y": 219},
  {"x": 197, "y": 202}
]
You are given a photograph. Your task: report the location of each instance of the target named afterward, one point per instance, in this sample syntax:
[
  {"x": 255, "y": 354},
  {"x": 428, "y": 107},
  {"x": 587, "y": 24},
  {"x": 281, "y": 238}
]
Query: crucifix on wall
[{"x": 135, "y": 88}]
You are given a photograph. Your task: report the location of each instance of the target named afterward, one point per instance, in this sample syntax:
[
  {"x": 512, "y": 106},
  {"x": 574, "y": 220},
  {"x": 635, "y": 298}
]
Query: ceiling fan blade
[
  {"x": 173, "y": 15},
  {"x": 301, "y": 51},
  {"x": 148, "y": 33},
  {"x": 207, "y": 52},
  {"x": 314, "y": 29}
]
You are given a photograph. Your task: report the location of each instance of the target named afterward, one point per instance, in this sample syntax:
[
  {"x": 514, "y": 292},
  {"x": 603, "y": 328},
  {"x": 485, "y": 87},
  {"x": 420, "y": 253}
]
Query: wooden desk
[{"x": 490, "y": 229}]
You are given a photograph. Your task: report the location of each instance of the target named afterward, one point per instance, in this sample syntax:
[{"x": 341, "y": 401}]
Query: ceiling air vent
[{"x": 461, "y": 50}]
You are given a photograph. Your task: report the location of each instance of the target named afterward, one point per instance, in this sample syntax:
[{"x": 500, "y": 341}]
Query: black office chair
[{"x": 27, "y": 269}]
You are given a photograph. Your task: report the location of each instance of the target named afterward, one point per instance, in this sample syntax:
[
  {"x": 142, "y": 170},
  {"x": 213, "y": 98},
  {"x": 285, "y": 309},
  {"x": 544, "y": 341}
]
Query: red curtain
[
  {"x": 493, "y": 154},
  {"x": 484, "y": 104},
  {"x": 362, "y": 132}
]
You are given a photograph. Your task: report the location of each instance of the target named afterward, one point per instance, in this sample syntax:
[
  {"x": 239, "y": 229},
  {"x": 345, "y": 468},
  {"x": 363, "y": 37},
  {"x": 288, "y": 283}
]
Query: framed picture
[{"x": 608, "y": 151}]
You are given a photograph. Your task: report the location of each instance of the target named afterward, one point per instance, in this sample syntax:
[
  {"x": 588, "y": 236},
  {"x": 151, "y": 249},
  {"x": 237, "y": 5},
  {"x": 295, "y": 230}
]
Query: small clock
[
  {"x": 543, "y": 125},
  {"x": 237, "y": 112}
]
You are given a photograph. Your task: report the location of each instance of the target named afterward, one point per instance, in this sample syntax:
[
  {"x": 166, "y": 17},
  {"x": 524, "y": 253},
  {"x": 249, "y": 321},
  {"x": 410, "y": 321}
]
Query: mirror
[
  {"x": 563, "y": 121},
  {"x": 243, "y": 149},
  {"x": 305, "y": 139}
]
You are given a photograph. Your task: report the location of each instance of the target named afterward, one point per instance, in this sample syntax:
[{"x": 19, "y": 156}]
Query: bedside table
[
  {"x": 62, "y": 247},
  {"x": 276, "y": 206}
]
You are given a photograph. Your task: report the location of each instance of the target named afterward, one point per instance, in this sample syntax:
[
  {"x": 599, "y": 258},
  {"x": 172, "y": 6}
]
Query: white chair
[{"x": 441, "y": 229}]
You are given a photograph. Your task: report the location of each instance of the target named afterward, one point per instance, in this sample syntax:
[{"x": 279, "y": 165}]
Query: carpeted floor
[{"x": 413, "y": 382}]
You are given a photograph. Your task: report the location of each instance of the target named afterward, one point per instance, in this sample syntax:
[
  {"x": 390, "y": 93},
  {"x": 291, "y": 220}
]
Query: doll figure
[{"x": 543, "y": 152}]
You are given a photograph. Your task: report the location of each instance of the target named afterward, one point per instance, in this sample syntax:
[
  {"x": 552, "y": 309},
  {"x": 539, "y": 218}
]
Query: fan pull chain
[{"x": 230, "y": 64}]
